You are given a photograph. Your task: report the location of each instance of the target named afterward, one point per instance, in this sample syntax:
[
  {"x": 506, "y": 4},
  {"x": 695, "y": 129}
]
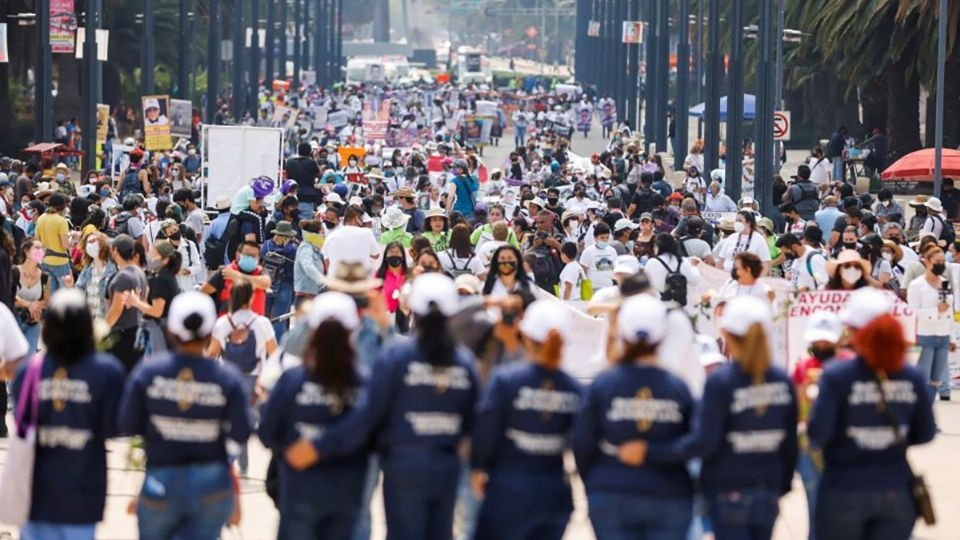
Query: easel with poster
[{"x": 156, "y": 123}]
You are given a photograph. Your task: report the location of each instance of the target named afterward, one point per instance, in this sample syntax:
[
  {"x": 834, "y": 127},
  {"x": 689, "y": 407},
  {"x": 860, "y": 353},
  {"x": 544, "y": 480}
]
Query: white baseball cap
[
  {"x": 742, "y": 312},
  {"x": 333, "y": 305},
  {"x": 433, "y": 289},
  {"x": 624, "y": 223},
  {"x": 865, "y": 305},
  {"x": 333, "y": 198},
  {"x": 151, "y": 103},
  {"x": 709, "y": 351},
  {"x": 626, "y": 264},
  {"x": 642, "y": 317},
  {"x": 823, "y": 325},
  {"x": 543, "y": 316},
  {"x": 185, "y": 306}
]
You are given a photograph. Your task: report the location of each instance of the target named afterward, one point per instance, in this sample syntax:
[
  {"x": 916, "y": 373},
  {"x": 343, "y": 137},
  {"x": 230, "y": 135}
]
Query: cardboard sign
[{"x": 156, "y": 122}]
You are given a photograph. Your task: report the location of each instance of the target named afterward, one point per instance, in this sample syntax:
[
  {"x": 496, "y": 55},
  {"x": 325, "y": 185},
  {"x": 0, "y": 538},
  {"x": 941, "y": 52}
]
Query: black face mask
[
  {"x": 330, "y": 224},
  {"x": 938, "y": 269},
  {"x": 850, "y": 245},
  {"x": 175, "y": 236},
  {"x": 394, "y": 260},
  {"x": 507, "y": 268},
  {"x": 823, "y": 353},
  {"x": 552, "y": 200},
  {"x": 921, "y": 211}
]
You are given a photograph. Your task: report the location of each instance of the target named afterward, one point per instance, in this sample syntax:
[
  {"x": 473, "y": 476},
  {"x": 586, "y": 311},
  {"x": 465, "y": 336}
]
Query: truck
[{"x": 473, "y": 66}]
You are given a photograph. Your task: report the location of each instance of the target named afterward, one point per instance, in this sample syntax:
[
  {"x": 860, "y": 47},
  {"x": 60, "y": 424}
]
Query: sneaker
[{"x": 945, "y": 397}]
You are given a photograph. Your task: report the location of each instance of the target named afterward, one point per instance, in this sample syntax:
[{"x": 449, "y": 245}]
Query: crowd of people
[{"x": 406, "y": 314}]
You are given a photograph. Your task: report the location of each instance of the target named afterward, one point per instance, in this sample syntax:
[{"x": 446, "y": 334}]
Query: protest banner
[
  {"x": 584, "y": 348},
  {"x": 476, "y": 130},
  {"x": 103, "y": 121},
  {"x": 63, "y": 24},
  {"x": 284, "y": 116},
  {"x": 181, "y": 114},
  {"x": 156, "y": 124},
  {"x": 233, "y": 155},
  {"x": 562, "y": 130},
  {"x": 715, "y": 217},
  {"x": 337, "y": 119}
]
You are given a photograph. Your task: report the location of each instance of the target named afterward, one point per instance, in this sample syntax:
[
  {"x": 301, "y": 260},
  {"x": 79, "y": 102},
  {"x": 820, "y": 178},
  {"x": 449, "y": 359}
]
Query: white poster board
[{"x": 234, "y": 155}]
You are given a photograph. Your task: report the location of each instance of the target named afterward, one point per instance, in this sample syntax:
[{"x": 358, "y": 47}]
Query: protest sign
[
  {"x": 337, "y": 119},
  {"x": 585, "y": 346},
  {"x": 476, "y": 129},
  {"x": 233, "y": 155},
  {"x": 103, "y": 121},
  {"x": 284, "y": 116},
  {"x": 156, "y": 124},
  {"x": 181, "y": 114}
]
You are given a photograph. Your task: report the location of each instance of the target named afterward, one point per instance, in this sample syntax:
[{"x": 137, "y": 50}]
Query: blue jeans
[
  {"x": 465, "y": 516},
  {"x": 306, "y": 209},
  {"x": 328, "y": 512},
  {"x": 747, "y": 514},
  {"x": 420, "y": 506},
  {"x": 191, "y": 502},
  {"x": 40, "y": 530},
  {"x": 249, "y": 386},
  {"x": 361, "y": 530},
  {"x": 810, "y": 475},
  {"x": 157, "y": 339},
  {"x": 873, "y": 514},
  {"x": 32, "y": 333},
  {"x": 522, "y": 506},
  {"x": 616, "y": 516},
  {"x": 59, "y": 271},
  {"x": 278, "y": 303},
  {"x": 839, "y": 169},
  {"x": 933, "y": 362},
  {"x": 519, "y": 136}
]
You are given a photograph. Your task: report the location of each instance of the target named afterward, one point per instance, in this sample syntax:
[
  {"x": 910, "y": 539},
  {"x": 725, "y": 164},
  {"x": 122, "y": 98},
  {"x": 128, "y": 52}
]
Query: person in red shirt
[{"x": 246, "y": 264}]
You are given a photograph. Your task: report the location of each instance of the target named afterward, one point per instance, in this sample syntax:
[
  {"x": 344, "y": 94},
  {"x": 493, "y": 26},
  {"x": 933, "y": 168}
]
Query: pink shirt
[{"x": 392, "y": 283}]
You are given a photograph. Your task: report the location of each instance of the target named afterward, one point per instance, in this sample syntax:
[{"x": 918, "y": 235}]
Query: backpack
[
  {"x": 810, "y": 267},
  {"x": 675, "y": 285},
  {"x": 214, "y": 249},
  {"x": 947, "y": 233},
  {"x": 240, "y": 348},
  {"x": 119, "y": 225},
  {"x": 644, "y": 198},
  {"x": 544, "y": 271},
  {"x": 131, "y": 184},
  {"x": 455, "y": 272}
]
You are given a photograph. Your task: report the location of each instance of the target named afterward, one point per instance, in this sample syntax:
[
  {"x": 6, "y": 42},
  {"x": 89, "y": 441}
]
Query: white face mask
[
  {"x": 738, "y": 226},
  {"x": 851, "y": 275},
  {"x": 93, "y": 249},
  {"x": 887, "y": 256}
]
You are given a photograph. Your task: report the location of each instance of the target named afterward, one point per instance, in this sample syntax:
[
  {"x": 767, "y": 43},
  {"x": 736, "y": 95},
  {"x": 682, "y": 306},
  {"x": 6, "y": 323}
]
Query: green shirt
[
  {"x": 438, "y": 241},
  {"x": 486, "y": 232},
  {"x": 396, "y": 235}
]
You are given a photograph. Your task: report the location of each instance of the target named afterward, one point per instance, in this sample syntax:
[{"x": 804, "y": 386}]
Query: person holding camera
[{"x": 932, "y": 298}]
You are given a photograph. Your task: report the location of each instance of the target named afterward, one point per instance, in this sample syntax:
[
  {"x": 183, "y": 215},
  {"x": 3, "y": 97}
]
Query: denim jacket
[
  {"x": 308, "y": 270},
  {"x": 84, "y": 279}
]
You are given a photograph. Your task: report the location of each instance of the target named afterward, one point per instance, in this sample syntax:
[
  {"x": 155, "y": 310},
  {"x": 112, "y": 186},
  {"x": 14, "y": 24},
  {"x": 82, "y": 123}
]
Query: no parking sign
[{"x": 781, "y": 125}]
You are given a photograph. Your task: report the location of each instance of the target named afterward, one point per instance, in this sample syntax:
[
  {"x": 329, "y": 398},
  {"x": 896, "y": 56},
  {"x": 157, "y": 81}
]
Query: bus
[{"x": 473, "y": 66}]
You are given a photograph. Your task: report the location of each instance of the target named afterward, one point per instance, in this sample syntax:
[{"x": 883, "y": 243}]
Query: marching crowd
[{"x": 402, "y": 314}]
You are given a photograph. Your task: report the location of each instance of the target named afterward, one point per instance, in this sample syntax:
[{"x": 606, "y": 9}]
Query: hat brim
[
  {"x": 288, "y": 234},
  {"x": 833, "y": 265},
  {"x": 352, "y": 287}
]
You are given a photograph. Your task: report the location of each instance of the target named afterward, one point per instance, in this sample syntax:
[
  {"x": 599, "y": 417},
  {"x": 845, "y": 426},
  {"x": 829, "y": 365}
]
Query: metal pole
[
  {"x": 714, "y": 79},
  {"x": 938, "y": 130},
  {"x": 329, "y": 35},
  {"x": 778, "y": 80},
  {"x": 620, "y": 57},
  {"x": 765, "y": 106},
  {"x": 43, "y": 78},
  {"x": 663, "y": 72},
  {"x": 318, "y": 34},
  {"x": 297, "y": 36},
  {"x": 634, "y": 75},
  {"x": 238, "y": 90},
  {"x": 149, "y": 48},
  {"x": 213, "y": 61},
  {"x": 680, "y": 116},
  {"x": 650, "y": 90},
  {"x": 271, "y": 45},
  {"x": 307, "y": 29},
  {"x": 89, "y": 134},
  {"x": 338, "y": 43},
  {"x": 282, "y": 68},
  {"x": 699, "y": 54},
  {"x": 254, "y": 83},
  {"x": 183, "y": 53},
  {"x": 734, "y": 173}
]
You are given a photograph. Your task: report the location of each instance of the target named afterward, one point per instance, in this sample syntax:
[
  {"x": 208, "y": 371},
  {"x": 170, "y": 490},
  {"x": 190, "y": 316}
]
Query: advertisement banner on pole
[
  {"x": 181, "y": 114},
  {"x": 156, "y": 123},
  {"x": 103, "y": 42},
  {"x": 593, "y": 29},
  {"x": 632, "y": 32},
  {"x": 103, "y": 121},
  {"x": 4, "y": 53},
  {"x": 63, "y": 24}
]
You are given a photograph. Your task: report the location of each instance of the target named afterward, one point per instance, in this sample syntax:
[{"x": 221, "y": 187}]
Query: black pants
[
  {"x": 126, "y": 347},
  {"x": 3, "y": 409}
]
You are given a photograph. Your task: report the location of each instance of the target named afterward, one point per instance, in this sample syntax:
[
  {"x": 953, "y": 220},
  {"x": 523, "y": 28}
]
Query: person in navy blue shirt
[
  {"x": 322, "y": 501},
  {"x": 523, "y": 426},
  {"x": 419, "y": 407},
  {"x": 865, "y": 490},
  {"x": 186, "y": 406},
  {"x": 635, "y": 399},
  {"x": 745, "y": 429},
  {"x": 77, "y": 413}
]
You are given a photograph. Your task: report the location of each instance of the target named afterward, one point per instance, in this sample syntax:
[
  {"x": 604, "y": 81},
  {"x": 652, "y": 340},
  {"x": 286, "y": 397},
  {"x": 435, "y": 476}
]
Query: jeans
[
  {"x": 420, "y": 506},
  {"x": 278, "y": 304},
  {"x": 810, "y": 474},
  {"x": 521, "y": 506},
  {"x": 465, "y": 515},
  {"x": 156, "y": 338},
  {"x": 328, "y": 512},
  {"x": 362, "y": 527},
  {"x": 872, "y": 514},
  {"x": 32, "y": 333},
  {"x": 306, "y": 209},
  {"x": 58, "y": 271},
  {"x": 615, "y": 516},
  {"x": 40, "y": 530},
  {"x": 126, "y": 347},
  {"x": 190, "y": 502},
  {"x": 839, "y": 169},
  {"x": 933, "y": 362},
  {"x": 249, "y": 385},
  {"x": 519, "y": 136},
  {"x": 747, "y": 514}
]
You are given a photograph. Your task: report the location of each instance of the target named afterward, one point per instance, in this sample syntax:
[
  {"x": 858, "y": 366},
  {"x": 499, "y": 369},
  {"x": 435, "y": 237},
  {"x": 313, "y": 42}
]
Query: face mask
[
  {"x": 921, "y": 211},
  {"x": 93, "y": 250},
  {"x": 602, "y": 245},
  {"x": 887, "y": 256},
  {"x": 36, "y": 255},
  {"x": 92, "y": 180},
  {"x": 24, "y": 203},
  {"x": 104, "y": 192},
  {"x": 507, "y": 268},
  {"x": 734, "y": 274},
  {"x": 175, "y": 173},
  {"x": 851, "y": 275},
  {"x": 330, "y": 224},
  {"x": 191, "y": 152},
  {"x": 938, "y": 269},
  {"x": 394, "y": 261},
  {"x": 175, "y": 236},
  {"x": 552, "y": 200},
  {"x": 154, "y": 265},
  {"x": 61, "y": 177},
  {"x": 823, "y": 353},
  {"x": 738, "y": 227},
  {"x": 630, "y": 245},
  {"x": 247, "y": 264},
  {"x": 314, "y": 239},
  {"x": 850, "y": 245}
]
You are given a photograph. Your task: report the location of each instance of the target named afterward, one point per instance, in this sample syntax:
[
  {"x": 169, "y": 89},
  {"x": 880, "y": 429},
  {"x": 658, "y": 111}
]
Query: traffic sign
[
  {"x": 632, "y": 32},
  {"x": 781, "y": 125}
]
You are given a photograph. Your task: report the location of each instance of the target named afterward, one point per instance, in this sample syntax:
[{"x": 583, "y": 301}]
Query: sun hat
[
  {"x": 919, "y": 200},
  {"x": 434, "y": 212},
  {"x": 394, "y": 218},
  {"x": 864, "y": 305},
  {"x": 537, "y": 201},
  {"x": 934, "y": 204},
  {"x": 543, "y": 316},
  {"x": 404, "y": 193},
  {"x": 642, "y": 317},
  {"x": 897, "y": 250},
  {"x": 352, "y": 278},
  {"x": 187, "y": 305},
  {"x": 823, "y": 325},
  {"x": 626, "y": 264},
  {"x": 848, "y": 256},
  {"x": 742, "y": 312},
  {"x": 284, "y": 228},
  {"x": 433, "y": 291},
  {"x": 567, "y": 214},
  {"x": 333, "y": 198},
  {"x": 333, "y": 305},
  {"x": 767, "y": 224}
]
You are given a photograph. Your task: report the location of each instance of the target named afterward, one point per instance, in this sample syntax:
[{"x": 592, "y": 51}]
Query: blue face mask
[
  {"x": 602, "y": 245},
  {"x": 247, "y": 264}
]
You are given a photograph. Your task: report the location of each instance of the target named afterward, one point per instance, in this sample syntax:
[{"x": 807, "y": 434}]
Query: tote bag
[{"x": 16, "y": 482}]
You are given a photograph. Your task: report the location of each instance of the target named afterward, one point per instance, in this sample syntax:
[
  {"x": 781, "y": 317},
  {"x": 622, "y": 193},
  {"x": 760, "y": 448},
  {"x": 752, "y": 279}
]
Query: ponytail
[
  {"x": 754, "y": 352},
  {"x": 552, "y": 350},
  {"x": 881, "y": 344},
  {"x": 434, "y": 338},
  {"x": 636, "y": 350},
  {"x": 335, "y": 372}
]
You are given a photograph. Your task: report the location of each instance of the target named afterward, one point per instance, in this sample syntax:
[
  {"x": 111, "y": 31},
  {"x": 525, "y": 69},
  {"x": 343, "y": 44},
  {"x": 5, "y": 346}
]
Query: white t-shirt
[
  {"x": 733, "y": 289},
  {"x": 801, "y": 278},
  {"x": 451, "y": 263},
  {"x": 13, "y": 345},
  {"x": 657, "y": 272},
  {"x": 819, "y": 170},
  {"x": 571, "y": 273},
  {"x": 728, "y": 248},
  {"x": 260, "y": 326},
  {"x": 350, "y": 244},
  {"x": 599, "y": 264}
]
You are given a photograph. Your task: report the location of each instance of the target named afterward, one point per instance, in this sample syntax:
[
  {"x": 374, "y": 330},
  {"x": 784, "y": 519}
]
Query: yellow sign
[
  {"x": 103, "y": 121},
  {"x": 156, "y": 123}
]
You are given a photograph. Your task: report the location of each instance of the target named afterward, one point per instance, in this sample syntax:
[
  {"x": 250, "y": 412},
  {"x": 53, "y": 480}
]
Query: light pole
[
  {"x": 282, "y": 68},
  {"x": 238, "y": 90},
  {"x": 254, "y": 82},
  {"x": 270, "y": 49},
  {"x": 650, "y": 86},
  {"x": 43, "y": 77},
  {"x": 213, "y": 61},
  {"x": 765, "y": 105},
  {"x": 734, "y": 170},
  {"x": 90, "y": 86},
  {"x": 183, "y": 56},
  {"x": 714, "y": 77},
  {"x": 663, "y": 72},
  {"x": 938, "y": 129},
  {"x": 633, "y": 79},
  {"x": 297, "y": 48},
  {"x": 680, "y": 116},
  {"x": 149, "y": 48}
]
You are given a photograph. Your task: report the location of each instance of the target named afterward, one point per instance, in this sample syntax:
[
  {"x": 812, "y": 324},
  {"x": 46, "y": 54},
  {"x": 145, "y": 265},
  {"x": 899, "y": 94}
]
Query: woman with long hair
[
  {"x": 31, "y": 286},
  {"x": 187, "y": 488},
  {"x": 933, "y": 298},
  {"x": 69, "y": 479},
  {"x": 871, "y": 250},
  {"x": 394, "y": 274},
  {"x": 868, "y": 411},
  {"x": 634, "y": 399},
  {"x": 163, "y": 265},
  {"x": 506, "y": 273},
  {"x": 322, "y": 501},
  {"x": 96, "y": 271},
  {"x": 848, "y": 272},
  {"x": 420, "y": 407},
  {"x": 460, "y": 258},
  {"x": 746, "y": 238},
  {"x": 524, "y": 420}
]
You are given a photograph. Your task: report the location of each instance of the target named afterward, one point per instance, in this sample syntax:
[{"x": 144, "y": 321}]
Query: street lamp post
[
  {"x": 338, "y": 41},
  {"x": 254, "y": 83},
  {"x": 43, "y": 78},
  {"x": 297, "y": 28},
  {"x": 680, "y": 117},
  {"x": 213, "y": 60},
  {"x": 271, "y": 44},
  {"x": 714, "y": 77},
  {"x": 734, "y": 170},
  {"x": 239, "y": 91},
  {"x": 650, "y": 86},
  {"x": 183, "y": 55},
  {"x": 778, "y": 80},
  {"x": 938, "y": 128},
  {"x": 90, "y": 86},
  {"x": 633, "y": 79},
  {"x": 765, "y": 105},
  {"x": 663, "y": 72},
  {"x": 282, "y": 68},
  {"x": 318, "y": 35},
  {"x": 149, "y": 48}
]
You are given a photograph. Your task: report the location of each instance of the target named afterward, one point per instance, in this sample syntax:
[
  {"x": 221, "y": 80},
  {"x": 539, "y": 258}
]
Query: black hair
[
  {"x": 813, "y": 234},
  {"x": 336, "y": 372},
  {"x": 193, "y": 323},
  {"x": 174, "y": 263},
  {"x": 667, "y": 245},
  {"x": 788, "y": 240},
  {"x": 304, "y": 149},
  {"x": 241, "y": 293},
  {"x": 600, "y": 229},
  {"x": 434, "y": 339},
  {"x": 67, "y": 331},
  {"x": 96, "y": 217},
  {"x": 382, "y": 271},
  {"x": 569, "y": 249},
  {"x": 183, "y": 195},
  {"x": 523, "y": 279}
]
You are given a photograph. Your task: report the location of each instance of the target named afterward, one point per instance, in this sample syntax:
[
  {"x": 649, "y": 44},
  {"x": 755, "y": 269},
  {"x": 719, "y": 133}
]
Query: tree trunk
[
  {"x": 903, "y": 106},
  {"x": 873, "y": 100}
]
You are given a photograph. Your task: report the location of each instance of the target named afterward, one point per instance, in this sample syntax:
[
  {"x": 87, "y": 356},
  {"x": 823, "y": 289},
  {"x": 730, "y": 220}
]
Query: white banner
[
  {"x": 234, "y": 155},
  {"x": 585, "y": 347}
]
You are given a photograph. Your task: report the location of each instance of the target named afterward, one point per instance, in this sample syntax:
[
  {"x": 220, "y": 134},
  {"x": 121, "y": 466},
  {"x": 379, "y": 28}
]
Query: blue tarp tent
[{"x": 749, "y": 108}]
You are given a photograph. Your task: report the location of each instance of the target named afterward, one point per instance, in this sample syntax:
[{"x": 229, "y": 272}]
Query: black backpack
[
  {"x": 454, "y": 271},
  {"x": 119, "y": 225},
  {"x": 241, "y": 346},
  {"x": 947, "y": 233},
  {"x": 214, "y": 249},
  {"x": 675, "y": 285},
  {"x": 544, "y": 269},
  {"x": 130, "y": 185}
]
